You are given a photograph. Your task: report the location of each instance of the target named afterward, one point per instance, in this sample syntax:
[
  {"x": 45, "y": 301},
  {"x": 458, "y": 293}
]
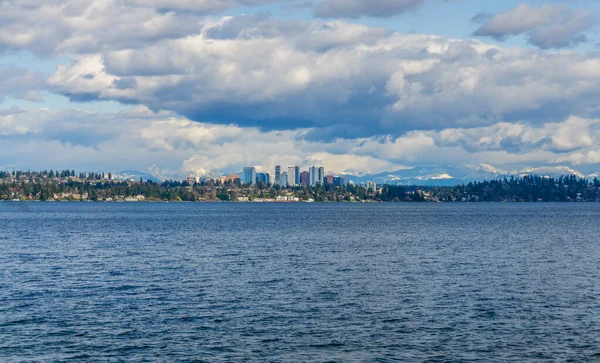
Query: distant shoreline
[
  {"x": 292, "y": 202},
  {"x": 43, "y": 186}
]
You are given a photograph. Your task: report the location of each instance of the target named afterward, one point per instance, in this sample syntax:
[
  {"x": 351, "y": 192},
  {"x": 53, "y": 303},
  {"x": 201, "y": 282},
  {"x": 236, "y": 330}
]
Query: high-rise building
[
  {"x": 321, "y": 175},
  {"x": 372, "y": 186},
  {"x": 297, "y": 175},
  {"x": 249, "y": 175},
  {"x": 283, "y": 181},
  {"x": 312, "y": 176},
  {"x": 277, "y": 175},
  {"x": 263, "y": 178},
  {"x": 329, "y": 180},
  {"x": 304, "y": 178},
  {"x": 338, "y": 181},
  {"x": 291, "y": 175}
]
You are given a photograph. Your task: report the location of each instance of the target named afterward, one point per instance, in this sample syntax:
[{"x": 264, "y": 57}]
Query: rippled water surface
[{"x": 299, "y": 282}]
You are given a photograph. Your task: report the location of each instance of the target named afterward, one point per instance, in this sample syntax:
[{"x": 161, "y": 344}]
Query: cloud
[
  {"x": 547, "y": 26},
  {"x": 21, "y": 84},
  {"x": 90, "y": 140},
  {"x": 202, "y": 6},
  {"x": 332, "y": 77},
  {"x": 579, "y": 158},
  {"x": 67, "y": 27},
  {"x": 54, "y": 27},
  {"x": 337, "y": 78},
  {"x": 172, "y": 145},
  {"x": 220, "y": 93},
  {"x": 572, "y": 134},
  {"x": 358, "y": 8}
]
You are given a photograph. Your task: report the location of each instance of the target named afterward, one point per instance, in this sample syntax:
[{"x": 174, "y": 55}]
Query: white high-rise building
[
  {"x": 372, "y": 186},
  {"x": 312, "y": 176},
  {"x": 291, "y": 174}
]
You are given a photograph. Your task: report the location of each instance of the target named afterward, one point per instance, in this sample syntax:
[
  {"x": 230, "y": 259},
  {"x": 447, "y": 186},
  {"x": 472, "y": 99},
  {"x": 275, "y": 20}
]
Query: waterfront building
[
  {"x": 283, "y": 179},
  {"x": 249, "y": 175},
  {"x": 312, "y": 176},
  {"x": 321, "y": 175},
  {"x": 304, "y": 178},
  {"x": 278, "y": 175},
  {"x": 291, "y": 175}
]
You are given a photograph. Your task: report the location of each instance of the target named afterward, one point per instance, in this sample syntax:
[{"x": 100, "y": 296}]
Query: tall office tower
[
  {"x": 262, "y": 178},
  {"x": 312, "y": 176},
  {"x": 304, "y": 178},
  {"x": 297, "y": 175},
  {"x": 249, "y": 175},
  {"x": 372, "y": 186},
  {"x": 283, "y": 181},
  {"x": 338, "y": 181},
  {"x": 291, "y": 176},
  {"x": 321, "y": 175},
  {"x": 277, "y": 175}
]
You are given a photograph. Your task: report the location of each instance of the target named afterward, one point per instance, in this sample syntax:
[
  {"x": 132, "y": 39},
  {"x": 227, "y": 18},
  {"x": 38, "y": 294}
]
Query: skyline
[
  {"x": 172, "y": 87},
  {"x": 294, "y": 176}
]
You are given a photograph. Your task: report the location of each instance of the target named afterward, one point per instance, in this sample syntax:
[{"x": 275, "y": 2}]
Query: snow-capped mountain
[
  {"x": 447, "y": 176},
  {"x": 552, "y": 171},
  {"x": 134, "y": 175}
]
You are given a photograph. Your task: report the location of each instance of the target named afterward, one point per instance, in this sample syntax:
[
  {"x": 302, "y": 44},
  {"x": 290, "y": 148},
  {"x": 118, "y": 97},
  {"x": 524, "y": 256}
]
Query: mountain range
[
  {"x": 134, "y": 175},
  {"x": 448, "y": 176}
]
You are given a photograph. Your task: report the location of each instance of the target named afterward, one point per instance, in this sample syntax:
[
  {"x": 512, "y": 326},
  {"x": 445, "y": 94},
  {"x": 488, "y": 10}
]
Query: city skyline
[{"x": 314, "y": 176}]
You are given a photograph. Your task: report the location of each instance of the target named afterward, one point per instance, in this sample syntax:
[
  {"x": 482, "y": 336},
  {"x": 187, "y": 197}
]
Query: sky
[{"x": 173, "y": 87}]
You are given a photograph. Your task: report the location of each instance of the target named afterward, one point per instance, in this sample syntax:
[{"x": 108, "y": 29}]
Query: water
[{"x": 299, "y": 282}]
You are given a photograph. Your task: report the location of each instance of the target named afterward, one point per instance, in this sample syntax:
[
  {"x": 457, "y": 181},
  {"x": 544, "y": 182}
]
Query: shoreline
[{"x": 295, "y": 202}]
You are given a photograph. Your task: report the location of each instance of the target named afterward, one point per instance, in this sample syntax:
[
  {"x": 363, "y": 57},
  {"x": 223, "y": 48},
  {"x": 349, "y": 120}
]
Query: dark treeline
[
  {"x": 66, "y": 185},
  {"x": 524, "y": 189},
  {"x": 18, "y": 174}
]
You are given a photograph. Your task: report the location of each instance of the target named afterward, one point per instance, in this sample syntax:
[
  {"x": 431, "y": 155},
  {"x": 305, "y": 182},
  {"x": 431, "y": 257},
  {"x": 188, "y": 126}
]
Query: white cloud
[
  {"x": 79, "y": 26},
  {"x": 232, "y": 91},
  {"x": 579, "y": 158},
  {"x": 547, "y": 26},
  {"x": 173, "y": 146},
  {"x": 281, "y": 75}
]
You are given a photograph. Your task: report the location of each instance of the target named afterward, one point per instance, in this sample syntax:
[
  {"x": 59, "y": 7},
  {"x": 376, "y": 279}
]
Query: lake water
[{"x": 299, "y": 282}]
